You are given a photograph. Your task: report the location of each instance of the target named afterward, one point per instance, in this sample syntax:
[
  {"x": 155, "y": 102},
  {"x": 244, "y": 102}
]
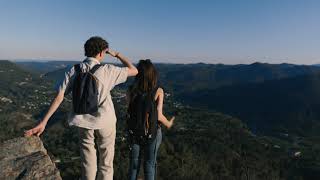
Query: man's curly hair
[{"x": 94, "y": 46}]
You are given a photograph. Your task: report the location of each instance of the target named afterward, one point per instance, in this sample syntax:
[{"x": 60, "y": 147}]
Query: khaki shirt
[{"x": 108, "y": 77}]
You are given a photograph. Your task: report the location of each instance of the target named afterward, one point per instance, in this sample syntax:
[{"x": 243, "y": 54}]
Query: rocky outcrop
[{"x": 26, "y": 158}]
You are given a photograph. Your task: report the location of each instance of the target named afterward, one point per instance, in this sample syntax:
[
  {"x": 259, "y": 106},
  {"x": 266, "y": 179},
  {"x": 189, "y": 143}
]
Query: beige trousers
[{"x": 100, "y": 168}]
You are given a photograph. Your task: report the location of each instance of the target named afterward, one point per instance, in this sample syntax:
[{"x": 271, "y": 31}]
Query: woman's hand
[
  {"x": 171, "y": 122},
  {"x": 38, "y": 130}
]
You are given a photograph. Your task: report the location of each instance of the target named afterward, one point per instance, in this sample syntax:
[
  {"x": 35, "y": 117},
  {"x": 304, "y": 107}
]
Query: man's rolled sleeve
[
  {"x": 66, "y": 83},
  {"x": 117, "y": 75}
]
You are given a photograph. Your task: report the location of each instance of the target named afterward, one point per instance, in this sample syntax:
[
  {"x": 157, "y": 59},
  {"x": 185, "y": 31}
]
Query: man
[{"x": 102, "y": 124}]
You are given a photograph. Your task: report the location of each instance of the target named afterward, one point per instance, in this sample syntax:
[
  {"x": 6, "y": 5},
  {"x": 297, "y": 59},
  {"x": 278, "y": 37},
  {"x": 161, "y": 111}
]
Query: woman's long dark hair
[{"x": 146, "y": 80}]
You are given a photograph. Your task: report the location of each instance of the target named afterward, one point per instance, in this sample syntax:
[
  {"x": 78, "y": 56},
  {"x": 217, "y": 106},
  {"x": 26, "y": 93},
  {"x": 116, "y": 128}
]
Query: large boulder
[{"x": 26, "y": 158}]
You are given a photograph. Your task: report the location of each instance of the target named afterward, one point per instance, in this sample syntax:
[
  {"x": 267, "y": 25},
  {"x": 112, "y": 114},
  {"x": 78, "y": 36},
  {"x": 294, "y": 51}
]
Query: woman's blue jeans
[{"x": 150, "y": 158}]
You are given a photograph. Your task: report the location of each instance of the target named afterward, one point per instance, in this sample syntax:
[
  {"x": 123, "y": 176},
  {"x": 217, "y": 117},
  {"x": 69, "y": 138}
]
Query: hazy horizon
[{"x": 113, "y": 61}]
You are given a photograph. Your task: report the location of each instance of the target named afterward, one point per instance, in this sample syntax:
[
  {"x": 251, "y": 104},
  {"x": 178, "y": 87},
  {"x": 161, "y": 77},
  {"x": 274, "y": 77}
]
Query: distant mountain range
[
  {"x": 44, "y": 67},
  {"x": 193, "y": 77},
  {"x": 288, "y": 105}
]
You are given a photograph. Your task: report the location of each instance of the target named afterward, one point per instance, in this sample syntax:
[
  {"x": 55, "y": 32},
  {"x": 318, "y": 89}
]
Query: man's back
[{"x": 108, "y": 76}]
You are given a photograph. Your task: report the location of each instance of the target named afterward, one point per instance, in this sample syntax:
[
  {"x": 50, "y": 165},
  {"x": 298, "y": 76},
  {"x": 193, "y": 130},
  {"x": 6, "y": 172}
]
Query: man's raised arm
[{"x": 132, "y": 70}]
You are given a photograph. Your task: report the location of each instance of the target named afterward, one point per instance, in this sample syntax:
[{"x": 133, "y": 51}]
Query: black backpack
[
  {"x": 142, "y": 122},
  {"x": 85, "y": 91}
]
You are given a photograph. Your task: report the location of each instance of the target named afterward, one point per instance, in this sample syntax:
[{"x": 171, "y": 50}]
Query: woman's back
[
  {"x": 145, "y": 112},
  {"x": 143, "y": 116}
]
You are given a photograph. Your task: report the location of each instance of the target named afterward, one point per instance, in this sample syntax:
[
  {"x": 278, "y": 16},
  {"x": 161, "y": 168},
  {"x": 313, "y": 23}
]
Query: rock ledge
[{"x": 26, "y": 158}]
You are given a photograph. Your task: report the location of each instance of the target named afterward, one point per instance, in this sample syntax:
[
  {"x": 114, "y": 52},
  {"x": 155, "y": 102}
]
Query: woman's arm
[{"x": 161, "y": 117}]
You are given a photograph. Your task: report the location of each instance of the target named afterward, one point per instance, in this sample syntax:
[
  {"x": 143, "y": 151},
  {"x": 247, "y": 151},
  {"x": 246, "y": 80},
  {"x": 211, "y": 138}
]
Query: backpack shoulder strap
[
  {"x": 77, "y": 68},
  {"x": 95, "y": 68}
]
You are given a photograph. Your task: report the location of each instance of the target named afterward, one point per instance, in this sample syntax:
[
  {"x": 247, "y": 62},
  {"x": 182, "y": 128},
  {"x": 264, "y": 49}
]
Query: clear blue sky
[{"x": 174, "y": 31}]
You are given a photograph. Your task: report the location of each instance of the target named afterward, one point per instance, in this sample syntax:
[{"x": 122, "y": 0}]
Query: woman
[{"x": 146, "y": 82}]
